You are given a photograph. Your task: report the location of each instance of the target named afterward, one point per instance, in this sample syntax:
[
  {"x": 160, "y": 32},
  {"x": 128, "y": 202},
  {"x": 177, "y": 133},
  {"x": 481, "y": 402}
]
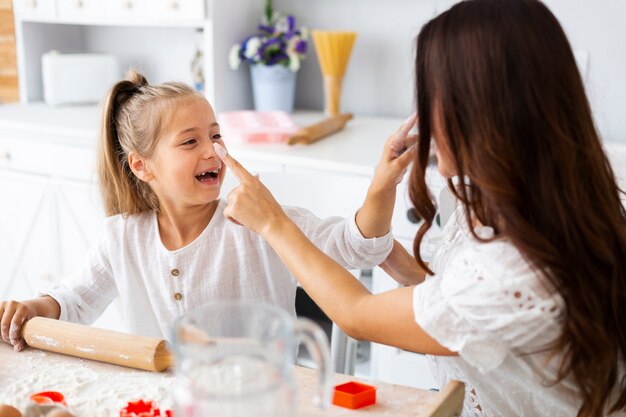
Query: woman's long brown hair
[{"x": 502, "y": 76}]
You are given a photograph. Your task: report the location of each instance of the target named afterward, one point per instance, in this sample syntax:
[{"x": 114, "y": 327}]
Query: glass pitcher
[{"x": 235, "y": 359}]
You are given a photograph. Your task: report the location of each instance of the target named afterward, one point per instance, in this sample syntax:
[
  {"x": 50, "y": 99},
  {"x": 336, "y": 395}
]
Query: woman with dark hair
[{"x": 525, "y": 299}]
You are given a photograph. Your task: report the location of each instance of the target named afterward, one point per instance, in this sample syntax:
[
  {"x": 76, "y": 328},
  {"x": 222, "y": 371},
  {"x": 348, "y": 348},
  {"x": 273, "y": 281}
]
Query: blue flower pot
[{"x": 273, "y": 87}]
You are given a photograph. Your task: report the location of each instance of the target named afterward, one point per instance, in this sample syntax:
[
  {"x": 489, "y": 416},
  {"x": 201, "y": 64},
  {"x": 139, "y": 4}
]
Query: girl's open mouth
[{"x": 208, "y": 176}]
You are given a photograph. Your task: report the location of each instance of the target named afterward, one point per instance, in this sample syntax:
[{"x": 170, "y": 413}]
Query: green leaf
[{"x": 269, "y": 11}]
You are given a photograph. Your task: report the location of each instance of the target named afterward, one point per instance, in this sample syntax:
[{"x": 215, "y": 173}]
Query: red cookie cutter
[
  {"x": 354, "y": 395},
  {"x": 48, "y": 397},
  {"x": 143, "y": 408}
]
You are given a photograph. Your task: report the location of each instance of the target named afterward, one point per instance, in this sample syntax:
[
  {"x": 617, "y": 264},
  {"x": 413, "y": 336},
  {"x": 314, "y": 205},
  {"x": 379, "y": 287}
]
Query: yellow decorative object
[{"x": 333, "y": 50}]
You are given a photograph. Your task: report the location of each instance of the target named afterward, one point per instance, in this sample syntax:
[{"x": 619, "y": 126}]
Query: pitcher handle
[{"x": 316, "y": 342}]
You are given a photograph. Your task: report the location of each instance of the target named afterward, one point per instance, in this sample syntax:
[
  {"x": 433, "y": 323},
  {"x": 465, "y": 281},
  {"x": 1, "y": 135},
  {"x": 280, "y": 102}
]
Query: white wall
[{"x": 379, "y": 77}]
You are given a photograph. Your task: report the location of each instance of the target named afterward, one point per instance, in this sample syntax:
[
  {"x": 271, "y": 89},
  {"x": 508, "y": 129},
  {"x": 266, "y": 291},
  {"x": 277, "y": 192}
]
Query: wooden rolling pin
[
  {"x": 97, "y": 344},
  {"x": 320, "y": 130}
]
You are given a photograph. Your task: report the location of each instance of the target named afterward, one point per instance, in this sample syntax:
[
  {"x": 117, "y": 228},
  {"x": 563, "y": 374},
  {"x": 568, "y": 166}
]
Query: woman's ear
[{"x": 139, "y": 167}]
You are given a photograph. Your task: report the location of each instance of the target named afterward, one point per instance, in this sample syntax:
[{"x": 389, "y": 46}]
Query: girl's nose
[{"x": 209, "y": 150}]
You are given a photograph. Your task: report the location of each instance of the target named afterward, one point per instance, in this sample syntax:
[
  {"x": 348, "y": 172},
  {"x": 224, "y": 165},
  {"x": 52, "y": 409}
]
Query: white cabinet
[
  {"x": 157, "y": 37},
  {"x": 81, "y": 8},
  {"x": 163, "y": 10},
  {"x": 46, "y": 227},
  {"x": 393, "y": 365},
  {"x": 79, "y": 220},
  {"x": 40, "y": 8},
  {"x": 25, "y": 234},
  {"x": 50, "y": 212}
]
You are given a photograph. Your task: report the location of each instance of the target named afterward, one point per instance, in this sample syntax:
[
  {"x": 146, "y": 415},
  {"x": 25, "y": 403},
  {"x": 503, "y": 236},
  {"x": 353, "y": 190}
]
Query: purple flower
[
  {"x": 267, "y": 44},
  {"x": 276, "y": 42},
  {"x": 301, "y": 47},
  {"x": 275, "y": 59},
  {"x": 244, "y": 44}
]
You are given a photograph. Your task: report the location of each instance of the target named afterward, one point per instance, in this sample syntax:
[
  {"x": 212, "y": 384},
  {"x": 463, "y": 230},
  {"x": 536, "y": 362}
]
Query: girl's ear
[{"x": 139, "y": 167}]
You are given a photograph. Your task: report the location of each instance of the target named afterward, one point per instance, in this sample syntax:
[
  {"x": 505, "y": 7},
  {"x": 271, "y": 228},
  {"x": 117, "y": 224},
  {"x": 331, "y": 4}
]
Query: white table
[{"x": 94, "y": 389}]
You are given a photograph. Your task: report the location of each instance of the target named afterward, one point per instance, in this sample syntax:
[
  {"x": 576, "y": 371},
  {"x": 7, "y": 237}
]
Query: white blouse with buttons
[
  {"x": 487, "y": 303},
  {"x": 226, "y": 261}
]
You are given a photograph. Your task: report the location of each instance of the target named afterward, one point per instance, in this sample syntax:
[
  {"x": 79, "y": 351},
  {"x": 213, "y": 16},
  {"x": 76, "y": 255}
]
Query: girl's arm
[
  {"x": 403, "y": 267},
  {"x": 341, "y": 239},
  {"x": 80, "y": 298},
  {"x": 13, "y": 314},
  {"x": 385, "y": 318}
]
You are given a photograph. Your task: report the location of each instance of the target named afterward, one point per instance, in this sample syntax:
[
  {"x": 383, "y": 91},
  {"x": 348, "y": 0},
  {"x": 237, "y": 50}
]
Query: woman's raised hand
[
  {"x": 250, "y": 204},
  {"x": 398, "y": 153}
]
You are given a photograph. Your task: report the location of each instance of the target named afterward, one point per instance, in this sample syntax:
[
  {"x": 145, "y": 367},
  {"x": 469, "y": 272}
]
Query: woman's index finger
[{"x": 240, "y": 172}]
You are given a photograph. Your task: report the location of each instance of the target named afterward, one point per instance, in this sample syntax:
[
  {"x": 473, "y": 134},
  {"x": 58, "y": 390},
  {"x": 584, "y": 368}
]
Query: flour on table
[{"x": 91, "y": 388}]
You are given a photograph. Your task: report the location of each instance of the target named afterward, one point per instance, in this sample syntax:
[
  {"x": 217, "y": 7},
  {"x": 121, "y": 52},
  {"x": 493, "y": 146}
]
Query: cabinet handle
[
  {"x": 78, "y": 4},
  {"x": 128, "y": 4},
  {"x": 31, "y": 3},
  {"x": 5, "y": 156},
  {"x": 174, "y": 5}
]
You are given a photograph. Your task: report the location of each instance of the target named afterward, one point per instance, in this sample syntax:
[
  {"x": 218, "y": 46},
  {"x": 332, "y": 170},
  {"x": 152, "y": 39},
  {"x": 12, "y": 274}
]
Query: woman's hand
[
  {"x": 13, "y": 314},
  {"x": 250, "y": 204},
  {"x": 374, "y": 217},
  {"x": 398, "y": 153}
]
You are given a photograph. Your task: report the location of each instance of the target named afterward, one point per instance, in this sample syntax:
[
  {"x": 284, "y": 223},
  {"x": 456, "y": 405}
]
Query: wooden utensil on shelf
[
  {"x": 333, "y": 50},
  {"x": 317, "y": 131},
  {"x": 87, "y": 342}
]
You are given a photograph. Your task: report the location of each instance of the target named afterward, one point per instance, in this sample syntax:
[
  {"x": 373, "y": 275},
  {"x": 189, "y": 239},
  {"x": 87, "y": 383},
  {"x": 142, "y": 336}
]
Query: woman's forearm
[
  {"x": 307, "y": 262},
  {"x": 374, "y": 218},
  {"x": 385, "y": 318}
]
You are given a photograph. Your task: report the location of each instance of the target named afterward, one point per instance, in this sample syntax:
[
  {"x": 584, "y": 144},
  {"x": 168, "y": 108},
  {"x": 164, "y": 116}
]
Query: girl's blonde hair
[{"x": 134, "y": 117}]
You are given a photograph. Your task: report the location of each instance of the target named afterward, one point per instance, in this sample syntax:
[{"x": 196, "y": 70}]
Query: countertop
[
  {"x": 96, "y": 389},
  {"x": 354, "y": 150}
]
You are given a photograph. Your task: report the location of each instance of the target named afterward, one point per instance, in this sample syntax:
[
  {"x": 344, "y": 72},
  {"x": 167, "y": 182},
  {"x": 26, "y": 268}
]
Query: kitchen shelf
[
  {"x": 129, "y": 22},
  {"x": 159, "y": 43}
]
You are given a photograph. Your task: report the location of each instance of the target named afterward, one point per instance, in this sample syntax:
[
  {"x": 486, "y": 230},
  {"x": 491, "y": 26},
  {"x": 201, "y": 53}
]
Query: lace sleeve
[{"x": 486, "y": 303}]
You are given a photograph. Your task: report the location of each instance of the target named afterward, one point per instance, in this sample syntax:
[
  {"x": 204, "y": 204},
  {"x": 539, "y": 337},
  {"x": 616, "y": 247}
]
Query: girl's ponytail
[{"x": 122, "y": 192}]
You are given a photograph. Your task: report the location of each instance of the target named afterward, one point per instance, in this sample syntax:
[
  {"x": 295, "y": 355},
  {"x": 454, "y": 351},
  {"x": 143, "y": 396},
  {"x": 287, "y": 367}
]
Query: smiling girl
[{"x": 167, "y": 248}]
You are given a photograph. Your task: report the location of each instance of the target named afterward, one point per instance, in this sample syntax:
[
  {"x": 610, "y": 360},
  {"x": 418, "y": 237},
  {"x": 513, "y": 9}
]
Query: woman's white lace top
[{"x": 487, "y": 303}]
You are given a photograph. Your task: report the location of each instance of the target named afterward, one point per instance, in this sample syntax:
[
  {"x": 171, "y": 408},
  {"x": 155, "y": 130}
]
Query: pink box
[{"x": 248, "y": 126}]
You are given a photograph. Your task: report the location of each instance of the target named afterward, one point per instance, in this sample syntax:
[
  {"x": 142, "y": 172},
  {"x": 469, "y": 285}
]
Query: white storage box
[{"x": 77, "y": 78}]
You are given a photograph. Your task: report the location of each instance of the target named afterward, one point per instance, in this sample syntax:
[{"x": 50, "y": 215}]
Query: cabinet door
[
  {"x": 80, "y": 217},
  {"x": 43, "y": 8},
  {"x": 325, "y": 195},
  {"x": 79, "y": 221},
  {"x": 26, "y": 234},
  {"x": 81, "y": 8},
  {"x": 175, "y": 9},
  {"x": 393, "y": 365}
]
